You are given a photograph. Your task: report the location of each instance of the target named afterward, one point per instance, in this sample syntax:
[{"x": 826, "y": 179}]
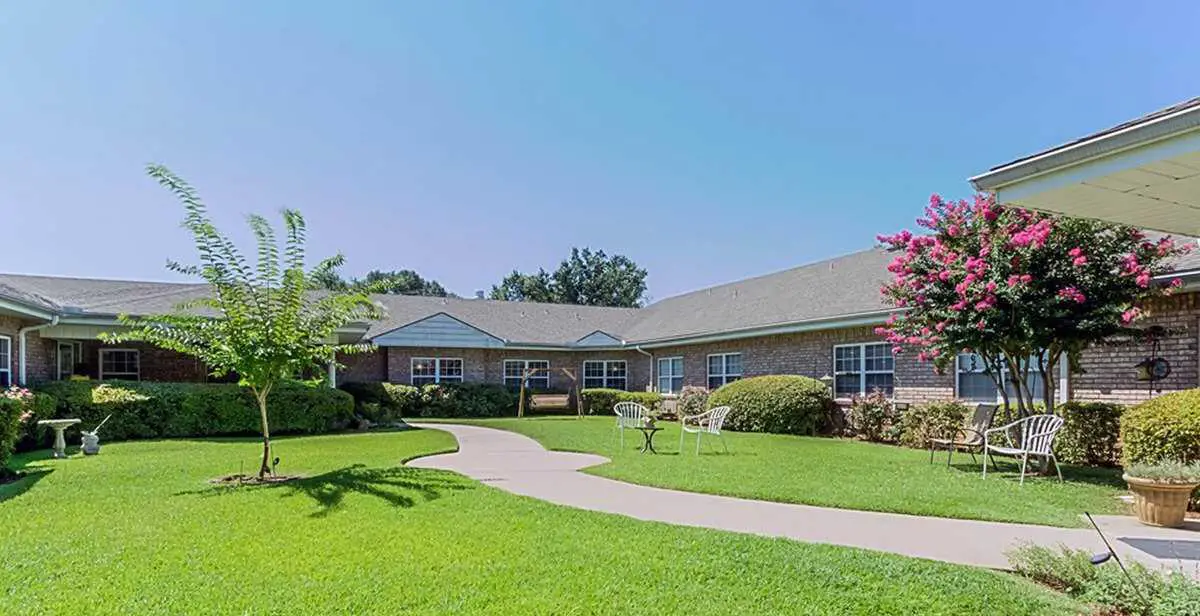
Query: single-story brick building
[{"x": 815, "y": 320}]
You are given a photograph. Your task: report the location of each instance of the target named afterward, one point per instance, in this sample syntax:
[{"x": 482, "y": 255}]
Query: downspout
[
  {"x": 21, "y": 337},
  {"x": 653, "y": 384}
]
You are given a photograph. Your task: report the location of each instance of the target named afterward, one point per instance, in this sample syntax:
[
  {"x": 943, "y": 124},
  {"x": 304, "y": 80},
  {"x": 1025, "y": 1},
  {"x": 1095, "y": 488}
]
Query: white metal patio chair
[
  {"x": 1037, "y": 439},
  {"x": 708, "y": 422},
  {"x": 629, "y": 415}
]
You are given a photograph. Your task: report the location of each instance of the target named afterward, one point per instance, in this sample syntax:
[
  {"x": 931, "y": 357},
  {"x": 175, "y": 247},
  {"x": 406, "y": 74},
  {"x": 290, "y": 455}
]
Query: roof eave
[{"x": 1102, "y": 145}]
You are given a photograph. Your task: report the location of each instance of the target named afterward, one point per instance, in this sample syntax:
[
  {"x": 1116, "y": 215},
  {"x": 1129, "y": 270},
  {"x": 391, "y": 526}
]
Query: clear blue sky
[{"x": 707, "y": 141}]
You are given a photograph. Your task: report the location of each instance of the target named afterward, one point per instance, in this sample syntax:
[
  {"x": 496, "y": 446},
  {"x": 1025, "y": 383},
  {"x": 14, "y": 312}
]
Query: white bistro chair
[
  {"x": 1037, "y": 439},
  {"x": 708, "y": 422},
  {"x": 629, "y": 415}
]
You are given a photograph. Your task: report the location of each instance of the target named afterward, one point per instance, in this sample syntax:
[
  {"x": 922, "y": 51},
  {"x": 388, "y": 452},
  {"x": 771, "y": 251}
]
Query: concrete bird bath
[{"x": 60, "y": 443}]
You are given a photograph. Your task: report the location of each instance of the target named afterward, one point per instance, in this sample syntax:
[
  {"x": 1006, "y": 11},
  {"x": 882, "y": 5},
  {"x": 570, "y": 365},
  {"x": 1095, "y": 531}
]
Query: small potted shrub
[{"x": 1161, "y": 491}]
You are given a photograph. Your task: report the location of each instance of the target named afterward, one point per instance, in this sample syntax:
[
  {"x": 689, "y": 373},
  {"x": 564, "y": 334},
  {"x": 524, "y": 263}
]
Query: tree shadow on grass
[
  {"x": 399, "y": 486},
  {"x": 12, "y": 488},
  {"x": 1008, "y": 468}
]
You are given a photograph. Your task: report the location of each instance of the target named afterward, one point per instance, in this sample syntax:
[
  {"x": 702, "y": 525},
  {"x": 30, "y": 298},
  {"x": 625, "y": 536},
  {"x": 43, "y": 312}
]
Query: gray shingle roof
[{"x": 840, "y": 287}]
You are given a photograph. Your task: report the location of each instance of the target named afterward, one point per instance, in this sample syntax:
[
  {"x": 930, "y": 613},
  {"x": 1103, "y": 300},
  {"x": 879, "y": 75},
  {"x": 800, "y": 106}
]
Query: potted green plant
[{"x": 1161, "y": 491}]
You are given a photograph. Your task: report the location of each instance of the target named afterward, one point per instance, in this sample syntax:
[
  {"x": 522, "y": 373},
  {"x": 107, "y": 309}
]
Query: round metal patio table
[{"x": 648, "y": 433}]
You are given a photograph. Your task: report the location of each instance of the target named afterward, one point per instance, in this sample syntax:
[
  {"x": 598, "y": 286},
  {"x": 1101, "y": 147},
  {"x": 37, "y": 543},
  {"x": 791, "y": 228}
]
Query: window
[
  {"x": 724, "y": 368},
  {"x": 426, "y": 370},
  {"x": 974, "y": 382},
  {"x": 862, "y": 368},
  {"x": 670, "y": 375},
  {"x": 69, "y": 354},
  {"x": 5, "y": 361},
  {"x": 121, "y": 364},
  {"x": 609, "y": 373},
  {"x": 514, "y": 369}
]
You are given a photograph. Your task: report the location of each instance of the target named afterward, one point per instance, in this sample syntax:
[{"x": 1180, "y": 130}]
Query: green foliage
[
  {"x": 11, "y": 412},
  {"x": 1166, "y": 472},
  {"x": 872, "y": 416},
  {"x": 600, "y": 400},
  {"x": 932, "y": 420},
  {"x": 585, "y": 278},
  {"x": 260, "y": 321},
  {"x": 1150, "y": 593},
  {"x": 693, "y": 400},
  {"x": 1090, "y": 434},
  {"x": 398, "y": 282},
  {"x": 143, "y": 410},
  {"x": 782, "y": 404},
  {"x": 1165, "y": 428},
  {"x": 383, "y": 402},
  {"x": 467, "y": 400}
]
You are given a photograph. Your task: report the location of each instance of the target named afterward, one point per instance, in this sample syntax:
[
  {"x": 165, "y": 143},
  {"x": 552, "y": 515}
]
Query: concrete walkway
[{"x": 520, "y": 465}]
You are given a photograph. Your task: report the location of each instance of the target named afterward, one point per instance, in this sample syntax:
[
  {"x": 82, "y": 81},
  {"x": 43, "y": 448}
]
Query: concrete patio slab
[{"x": 520, "y": 465}]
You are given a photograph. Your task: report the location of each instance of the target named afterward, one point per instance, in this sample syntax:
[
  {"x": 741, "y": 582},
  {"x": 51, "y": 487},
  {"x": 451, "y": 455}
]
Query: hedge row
[
  {"x": 164, "y": 410},
  {"x": 387, "y": 402},
  {"x": 600, "y": 401},
  {"x": 782, "y": 404},
  {"x": 1162, "y": 429}
]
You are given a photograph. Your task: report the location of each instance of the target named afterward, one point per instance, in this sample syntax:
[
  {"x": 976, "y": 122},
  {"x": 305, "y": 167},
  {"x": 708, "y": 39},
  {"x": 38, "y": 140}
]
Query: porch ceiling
[{"x": 1144, "y": 173}]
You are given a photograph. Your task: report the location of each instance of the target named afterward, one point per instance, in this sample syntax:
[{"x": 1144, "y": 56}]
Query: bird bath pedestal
[{"x": 60, "y": 443}]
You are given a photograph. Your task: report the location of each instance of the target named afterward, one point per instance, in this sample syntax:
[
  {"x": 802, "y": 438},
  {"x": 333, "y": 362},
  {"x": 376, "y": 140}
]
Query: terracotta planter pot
[{"x": 1160, "y": 504}]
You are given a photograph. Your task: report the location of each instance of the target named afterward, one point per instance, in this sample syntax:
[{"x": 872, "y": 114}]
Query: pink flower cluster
[
  {"x": 1078, "y": 259},
  {"x": 1072, "y": 294},
  {"x": 1034, "y": 235}
]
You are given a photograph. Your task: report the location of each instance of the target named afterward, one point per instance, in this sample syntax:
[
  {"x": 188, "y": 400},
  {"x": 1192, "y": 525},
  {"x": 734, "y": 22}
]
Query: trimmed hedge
[
  {"x": 10, "y": 429},
  {"x": 1166, "y": 428},
  {"x": 1091, "y": 433},
  {"x": 143, "y": 410},
  {"x": 600, "y": 401},
  {"x": 383, "y": 402},
  {"x": 784, "y": 404},
  {"x": 933, "y": 420}
]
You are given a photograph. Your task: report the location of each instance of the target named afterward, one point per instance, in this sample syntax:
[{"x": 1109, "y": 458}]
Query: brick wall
[
  {"x": 39, "y": 356},
  {"x": 363, "y": 367},
  {"x": 155, "y": 364},
  {"x": 487, "y": 365}
]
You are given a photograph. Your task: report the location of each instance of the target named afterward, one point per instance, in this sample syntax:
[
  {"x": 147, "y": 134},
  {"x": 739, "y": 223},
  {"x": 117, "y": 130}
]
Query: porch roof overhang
[{"x": 1145, "y": 173}]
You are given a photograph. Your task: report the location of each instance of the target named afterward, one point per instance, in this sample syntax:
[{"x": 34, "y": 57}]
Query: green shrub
[
  {"x": 933, "y": 420},
  {"x": 872, "y": 416},
  {"x": 1165, "y": 472},
  {"x": 1150, "y": 593},
  {"x": 16, "y": 411},
  {"x": 600, "y": 401},
  {"x": 167, "y": 410},
  {"x": 1165, "y": 428},
  {"x": 1090, "y": 434},
  {"x": 384, "y": 402},
  {"x": 467, "y": 400},
  {"x": 783, "y": 404},
  {"x": 693, "y": 400}
]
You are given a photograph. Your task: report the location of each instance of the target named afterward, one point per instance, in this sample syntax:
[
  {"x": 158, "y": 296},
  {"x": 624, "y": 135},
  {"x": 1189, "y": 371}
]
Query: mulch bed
[{"x": 251, "y": 480}]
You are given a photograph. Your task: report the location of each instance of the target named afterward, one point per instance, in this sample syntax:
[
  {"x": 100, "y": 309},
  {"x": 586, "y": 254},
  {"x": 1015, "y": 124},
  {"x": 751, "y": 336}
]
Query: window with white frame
[
  {"x": 123, "y": 364},
  {"x": 514, "y": 370},
  {"x": 973, "y": 382},
  {"x": 724, "y": 368},
  {"x": 670, "y": 375},
  {"x": 5, "y": 361},
  {"x": 607, "y": 373},
  {"x": 859, "y": 369},
  {"x": 427, "y": 370}
]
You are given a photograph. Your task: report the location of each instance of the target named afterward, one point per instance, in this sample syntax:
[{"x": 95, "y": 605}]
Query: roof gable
[
  {"x": 439, "y": 330},
  {"x": 597, "y": 338}
]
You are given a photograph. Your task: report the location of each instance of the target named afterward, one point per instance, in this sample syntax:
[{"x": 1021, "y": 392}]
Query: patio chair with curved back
[
  {"x": 629, "y": 415},
  {"x": 708, "y": 422},
  {"x": 968, "y": 436},
  {"x": 1037, "y": 439}
]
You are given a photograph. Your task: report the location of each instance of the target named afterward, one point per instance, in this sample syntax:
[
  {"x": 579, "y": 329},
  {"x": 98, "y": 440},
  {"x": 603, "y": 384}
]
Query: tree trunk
[{"x": 261, "y": 396}]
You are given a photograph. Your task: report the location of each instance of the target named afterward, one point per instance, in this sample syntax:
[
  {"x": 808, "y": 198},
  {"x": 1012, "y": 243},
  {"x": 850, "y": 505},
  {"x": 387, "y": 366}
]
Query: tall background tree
[
  {"x": 1022, "y": 290},
  {"x": 260, "y": 321},
  {"x": 587, "y": 278},
  {"x": 395, "y": 282}
]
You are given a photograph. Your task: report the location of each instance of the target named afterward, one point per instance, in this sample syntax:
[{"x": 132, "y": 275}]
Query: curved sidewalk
[{"x": 520, "y": 465}]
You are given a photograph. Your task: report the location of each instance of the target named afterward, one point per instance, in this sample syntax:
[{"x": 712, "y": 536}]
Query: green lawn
[
  {"x": 138, "y": 530},
  {"x": 833, "y": 473}
]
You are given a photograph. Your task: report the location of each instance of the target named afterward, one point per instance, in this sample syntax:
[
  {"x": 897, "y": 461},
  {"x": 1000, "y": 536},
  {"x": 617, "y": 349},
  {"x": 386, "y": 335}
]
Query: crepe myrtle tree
[
  {"x": 260, "y": 321},
  {"x": 1021, "y": 289}
]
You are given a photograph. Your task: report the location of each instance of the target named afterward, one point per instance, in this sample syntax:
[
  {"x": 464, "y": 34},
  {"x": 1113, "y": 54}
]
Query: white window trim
[
  {"x": 524, "y": 366},
  {"x": 1061, "y": 392},
  {"x": 605, "y": 363},
  {"x": 659, "y": 377},
  {"x": 137, "y": 353},
  {"x": 6, "y": 368},
  {"x": 862, "y": 368},
  {"x": 437, "y": 369},
  {"x": 725, "y": 373}
]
